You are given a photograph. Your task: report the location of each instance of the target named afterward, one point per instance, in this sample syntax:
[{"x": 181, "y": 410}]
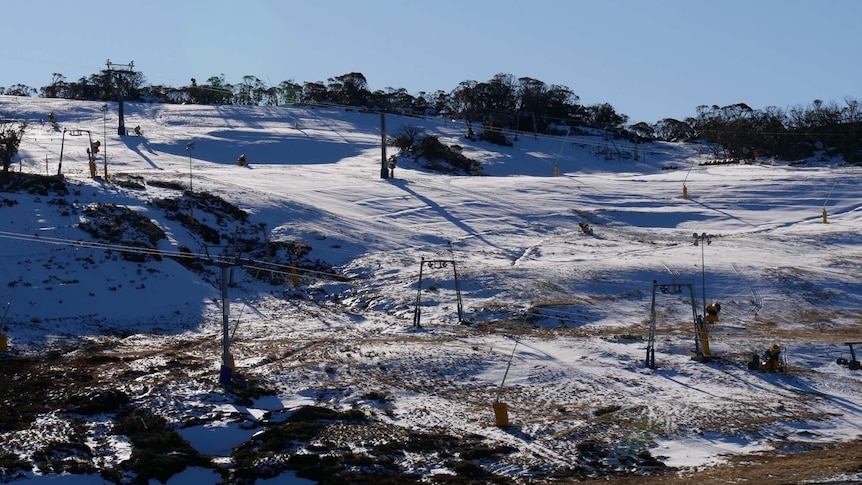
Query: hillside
[{"x": 114, "y": 317}]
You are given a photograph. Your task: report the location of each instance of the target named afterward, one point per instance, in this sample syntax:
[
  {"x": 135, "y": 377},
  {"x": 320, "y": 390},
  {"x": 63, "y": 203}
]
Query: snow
[
  {"x": 781, "y": 274},
  {"x": 705, "y": 450},
  {"x": 190, "y": 475}
]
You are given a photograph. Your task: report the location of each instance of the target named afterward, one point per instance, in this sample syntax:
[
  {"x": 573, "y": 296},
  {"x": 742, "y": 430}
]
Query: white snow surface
[{"x": 571, "y": 310}]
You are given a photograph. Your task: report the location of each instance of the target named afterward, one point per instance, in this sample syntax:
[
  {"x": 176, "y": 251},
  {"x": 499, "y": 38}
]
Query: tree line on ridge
[{"x": 506, "y": 103}]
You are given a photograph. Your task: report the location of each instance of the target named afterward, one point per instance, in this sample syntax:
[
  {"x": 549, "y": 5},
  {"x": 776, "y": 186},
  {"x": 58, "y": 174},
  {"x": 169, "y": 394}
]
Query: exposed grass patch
[
  {"x": 158, "y": 452},
  {"x": 16, "y": 182},
  {"x": 124, "y": 226},
  {"x": 167, "y": 184}
]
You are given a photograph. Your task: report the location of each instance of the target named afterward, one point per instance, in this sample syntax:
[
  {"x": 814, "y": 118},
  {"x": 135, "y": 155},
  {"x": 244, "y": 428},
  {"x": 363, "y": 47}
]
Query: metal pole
[
  {"x": 121, "y": 127},
  {"x": 703, "y": 272},
  {"x": 417, "y": 312},
  {"x": 62, "y": 144},
  {"x": 458, "y": 293},
  {"x": 702, "y": 239},
  {"x": 506, "y": 374},
  {"x": 384, "y": 168},
  {"x": 191, "y": 187},
  {"x": 225, "y": 374},
  {"x": 191, "y": 146},
  {"x": 698, "y": 321},
  {"x": 105, "y": 137},
  {"x": 650, "y": 350}
]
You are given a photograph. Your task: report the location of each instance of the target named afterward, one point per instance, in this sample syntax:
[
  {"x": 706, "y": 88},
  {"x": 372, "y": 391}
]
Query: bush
[
  {"x": 431, "y": 148},
  {"x": 158, "y": 452},
  {"x": 406, "y": 137},
  {"x": 121, "y": 225},
  {"x": 32, "y": 184},
  {"x": 496, "y": 137}
]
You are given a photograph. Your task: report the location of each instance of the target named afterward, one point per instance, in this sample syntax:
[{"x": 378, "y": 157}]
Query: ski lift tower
[{"x": 121, "y": 73}]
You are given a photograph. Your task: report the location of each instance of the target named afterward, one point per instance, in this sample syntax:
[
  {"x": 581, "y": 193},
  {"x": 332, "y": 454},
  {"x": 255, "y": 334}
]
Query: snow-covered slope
[{"x": 556, "y": 319}]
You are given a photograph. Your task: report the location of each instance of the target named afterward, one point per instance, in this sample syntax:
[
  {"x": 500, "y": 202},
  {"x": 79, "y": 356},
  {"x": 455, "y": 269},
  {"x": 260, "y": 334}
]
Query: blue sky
[{"x": 650, "y": 59}]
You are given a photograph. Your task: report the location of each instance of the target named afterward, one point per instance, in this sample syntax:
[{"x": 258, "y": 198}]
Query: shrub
[
  {"x": 495, "y": 136},
  {"x": 406, "y": 137},
  {"x": 431, "y": 148},
  {"x": 158, "y": 451}
]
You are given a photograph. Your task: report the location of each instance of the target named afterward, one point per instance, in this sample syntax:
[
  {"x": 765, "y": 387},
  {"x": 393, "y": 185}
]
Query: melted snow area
[{"x": 555, "y": 320}]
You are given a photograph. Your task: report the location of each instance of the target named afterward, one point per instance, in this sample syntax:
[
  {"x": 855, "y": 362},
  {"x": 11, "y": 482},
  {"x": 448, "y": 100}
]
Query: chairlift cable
[{"x": 829, "y": 195}]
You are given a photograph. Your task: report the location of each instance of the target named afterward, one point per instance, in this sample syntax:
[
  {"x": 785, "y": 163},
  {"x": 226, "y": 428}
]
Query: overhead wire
[{"x": 282, "y": 269}]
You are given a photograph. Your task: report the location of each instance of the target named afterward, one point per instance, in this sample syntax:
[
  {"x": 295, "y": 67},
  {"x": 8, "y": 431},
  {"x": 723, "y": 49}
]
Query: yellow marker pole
[
  {"x": 556, "y": 170},
  {"x": 684, "y": 192},
  {"x": 824, "y": 216}
]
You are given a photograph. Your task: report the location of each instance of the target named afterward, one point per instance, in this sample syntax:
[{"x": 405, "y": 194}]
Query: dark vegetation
[
  {"x": 429, "y": 151},
  {"x": 123, "y": 226},
  {"x": 10, "y": 138},
  {"x": 318, "y": 443},
  {"x": 158, "y": 451},
  {"x": 327, "y": 442},
  {"x": 33, "y": 386},
  {"x": 518, "y": 105},
  {"x": 218, "y": 222},
  {"x": 314, "y": 442},
  {"x": 14, "y": 182}
]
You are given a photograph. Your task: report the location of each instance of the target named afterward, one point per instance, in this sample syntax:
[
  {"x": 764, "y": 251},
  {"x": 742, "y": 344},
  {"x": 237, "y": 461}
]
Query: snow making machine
[{"x": 771, "y": 361}]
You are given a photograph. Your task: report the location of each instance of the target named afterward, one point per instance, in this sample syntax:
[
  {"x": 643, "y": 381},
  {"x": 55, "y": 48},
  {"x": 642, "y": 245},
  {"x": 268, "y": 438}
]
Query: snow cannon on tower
[
  {"x": 712, "y": 312},
  {"x": 702, "y": 323}
]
